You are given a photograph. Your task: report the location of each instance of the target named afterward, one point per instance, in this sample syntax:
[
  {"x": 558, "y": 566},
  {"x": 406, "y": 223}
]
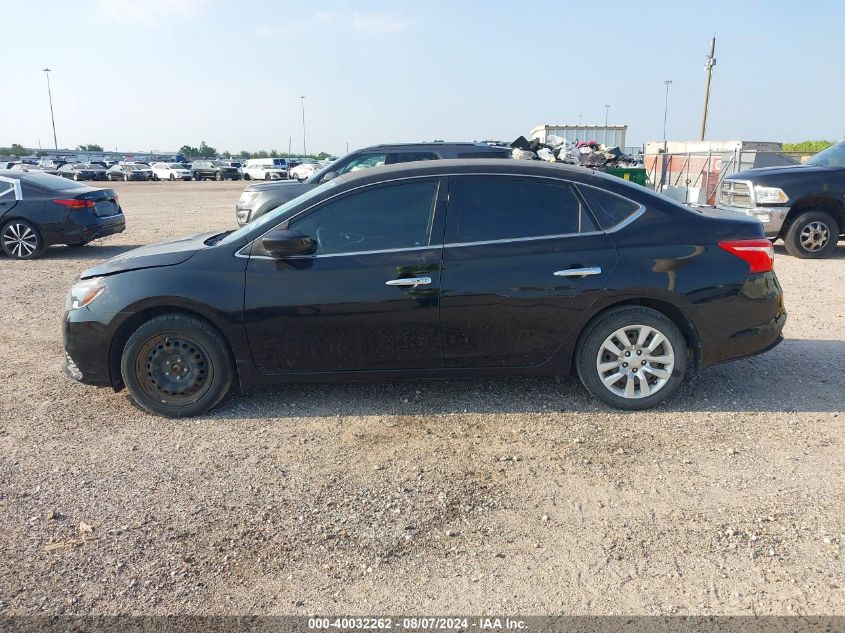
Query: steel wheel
[
  {"x": 174, "y": 370},
  {"x": 635, "y": 361},
  {"x": 814, "y": 236},
  {"x": 21, "y": 240}
]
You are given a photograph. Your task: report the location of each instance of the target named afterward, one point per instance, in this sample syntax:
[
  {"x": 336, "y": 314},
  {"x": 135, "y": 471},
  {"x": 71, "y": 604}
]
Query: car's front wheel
[
  {"x": 20, "y": 239},
  {"x": 176, "y": 365},
  {"x": 812, "y": 235},
  {"x": 632, "y": 358},
  {"x": 197, "y": 176},
  {"x": 218, "y": 175},
  {"x": 247, "y": 177}
]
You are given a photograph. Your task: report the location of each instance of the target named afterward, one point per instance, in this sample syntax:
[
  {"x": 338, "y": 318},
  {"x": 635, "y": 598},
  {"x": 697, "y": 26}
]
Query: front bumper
[
  {"x": 772, "y": 218},
  {"x": 86, "y": 348}
]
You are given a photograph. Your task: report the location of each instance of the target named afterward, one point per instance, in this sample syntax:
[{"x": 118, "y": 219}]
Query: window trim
[
  {"x": 619, "y": 225},
  {"x": 244, "y": 251}
]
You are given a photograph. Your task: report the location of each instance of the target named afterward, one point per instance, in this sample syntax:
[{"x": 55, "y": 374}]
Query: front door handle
[
  {"x": 409, "y": 281},
  {"x": 578, "y": 272}
]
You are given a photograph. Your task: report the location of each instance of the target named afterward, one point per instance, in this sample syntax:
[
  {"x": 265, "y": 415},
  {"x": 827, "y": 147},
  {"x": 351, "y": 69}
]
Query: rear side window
[
  {"x": 504, "y": 153},
  {"x": 503, "y": 207},
  {"x": 608, "y": 208},
  {"x": 410, "y": 157}
]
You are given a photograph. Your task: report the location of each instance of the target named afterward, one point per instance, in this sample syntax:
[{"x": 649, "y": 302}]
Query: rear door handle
[
  {"x": 578, "y": 272},
  {"x": 409, "y": 281}
]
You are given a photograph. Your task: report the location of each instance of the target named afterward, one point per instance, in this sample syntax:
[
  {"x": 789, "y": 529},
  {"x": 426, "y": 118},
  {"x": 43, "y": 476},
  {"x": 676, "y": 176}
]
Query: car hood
[
  {"x": 155, "y": 255},
  {"x": 288, "y": 186},
  {"x": 784, "y": 170}
]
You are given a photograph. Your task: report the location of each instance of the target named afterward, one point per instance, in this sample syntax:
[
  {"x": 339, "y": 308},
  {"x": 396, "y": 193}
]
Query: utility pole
[
  {"x": 304, "y": 151},
  {"x": 711, "y": 61},
  {"x": 290, "y": 140},
  {"x": 667, "y": 83},
  {"x": 46, "y": 71},
  {"x": 606, "y": 112},
  {"x": 347, "y": 147}
]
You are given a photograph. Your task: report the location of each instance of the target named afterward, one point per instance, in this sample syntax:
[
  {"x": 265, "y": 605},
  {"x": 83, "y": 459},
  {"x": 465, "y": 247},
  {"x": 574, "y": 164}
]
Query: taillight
[
  {"x": 75, "y": 203},
  {"x": 759, "y": 254}
]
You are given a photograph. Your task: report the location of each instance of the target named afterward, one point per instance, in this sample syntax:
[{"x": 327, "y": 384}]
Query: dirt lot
[{"x": 519, "y": 496}]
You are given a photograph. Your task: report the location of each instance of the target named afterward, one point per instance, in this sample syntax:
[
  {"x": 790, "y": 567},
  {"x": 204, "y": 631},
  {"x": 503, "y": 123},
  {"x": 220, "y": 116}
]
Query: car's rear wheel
[
  {"x": 21, "y": 240},
  {"x": 632, "y": 358},
  {"x": 197, "y": 176},
  {"x": 247, "y": 177},
  {"x": 76, "y": 177},
  {"x": 176, "y": 365},
  {"x": 126, "y": 177},
  {"x": 172, "y": 177},
  {"x": 812, "y": 235},
  {"x": 218, "y": 175},
  {"x": 267, "y": 176}
]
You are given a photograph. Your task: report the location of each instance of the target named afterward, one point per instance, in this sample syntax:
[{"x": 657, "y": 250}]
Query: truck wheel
[{"x": 812, "y": 235}]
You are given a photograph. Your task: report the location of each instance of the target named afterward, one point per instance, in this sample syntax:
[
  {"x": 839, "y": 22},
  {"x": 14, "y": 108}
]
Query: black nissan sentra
[{"x": 438, "y": 269}]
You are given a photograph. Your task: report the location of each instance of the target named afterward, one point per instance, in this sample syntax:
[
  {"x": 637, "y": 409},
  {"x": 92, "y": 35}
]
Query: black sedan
[
  {"x": 128, "y": 172},
  {"x": 439, "y": 269},
  {"x": 82, "y": 171},
  {"x": 38, "y": 210}
]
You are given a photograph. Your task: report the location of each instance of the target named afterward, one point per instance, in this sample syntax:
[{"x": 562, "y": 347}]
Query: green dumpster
[{"x": 637, "y": 175}]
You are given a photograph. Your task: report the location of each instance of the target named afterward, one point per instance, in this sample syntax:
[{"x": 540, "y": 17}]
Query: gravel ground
[{"x": 507, "y": 495}]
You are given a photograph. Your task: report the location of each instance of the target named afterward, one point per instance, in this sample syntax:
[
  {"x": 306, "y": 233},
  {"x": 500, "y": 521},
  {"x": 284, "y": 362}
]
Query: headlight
[
  {"x": 769, "y": 195},
  {"x": 247, "y": 197},
  {"x": 84, "y": 293}
]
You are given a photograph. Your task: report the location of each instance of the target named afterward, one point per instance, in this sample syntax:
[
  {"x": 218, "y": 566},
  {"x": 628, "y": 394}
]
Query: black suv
[
  {"x": 258, "y": 199},
  {"x": 215, "y": 170},
  {"x": 804, "y": 205}
]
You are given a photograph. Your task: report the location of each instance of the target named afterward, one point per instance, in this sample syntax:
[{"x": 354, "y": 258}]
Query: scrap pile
[{"x": 585, "y": 153}]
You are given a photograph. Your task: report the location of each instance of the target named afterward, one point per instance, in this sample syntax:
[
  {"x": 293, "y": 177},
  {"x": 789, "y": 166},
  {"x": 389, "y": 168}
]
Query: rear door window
[
  {"x": 490, "y": 208},
  {"x": 608, "y": 208},
  {"x": 409, "y": 157}
]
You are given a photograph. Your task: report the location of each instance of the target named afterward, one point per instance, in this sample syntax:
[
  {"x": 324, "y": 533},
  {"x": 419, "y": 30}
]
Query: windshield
[
  {"x": 833, "y": 156},
  {"x": 276, "y": 215},
  {"x": 219, "y": 163},
  {"x": 176, "y": 166}
]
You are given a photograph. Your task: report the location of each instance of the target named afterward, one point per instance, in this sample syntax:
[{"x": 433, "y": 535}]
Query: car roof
[
  {"x": 456, "y": 166},
  {"x": 431, "y": 145}
]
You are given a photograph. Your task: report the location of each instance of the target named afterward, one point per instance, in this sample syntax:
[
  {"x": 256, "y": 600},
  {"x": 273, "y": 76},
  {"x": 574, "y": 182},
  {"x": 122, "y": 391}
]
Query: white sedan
[
  {"x": 171, "y": 171},
  {"x": 267, "y": 171},
  {"x": 304, "y": 171}
]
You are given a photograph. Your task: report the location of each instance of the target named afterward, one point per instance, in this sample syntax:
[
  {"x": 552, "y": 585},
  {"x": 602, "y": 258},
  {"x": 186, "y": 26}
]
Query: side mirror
[
  {"x": 328, "y": 176},
  {"x": 283, "y": 243}
]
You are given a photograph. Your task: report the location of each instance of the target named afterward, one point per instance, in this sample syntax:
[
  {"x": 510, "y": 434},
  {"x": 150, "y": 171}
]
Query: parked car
[
  {"x": 127, "y": 171},
  {"x": 38, "y": 210},
  {"x": 804, "y": 205},
  {"x": 303, "y": 171},
  {"x": 258, "y": 199},
  {"x": 264, "y": 169},
  {"x": 144, "y": 167},
  {"x": 525, "y": 268},
  {"x": 214, "y": 170},
  {"x": 82, "y": 171},
  {"x": 171, "y": 171},
  {"x": 50, "y": 165}
]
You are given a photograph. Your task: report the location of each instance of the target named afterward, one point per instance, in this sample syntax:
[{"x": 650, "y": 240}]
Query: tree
[
  {"x": 226, "y": 154},
  {"x": 207, "y": 150},
  {"x": 273, "y": 154},
  {"x": 91, "y": 147},
  {"x": 322, "y": 156},
  {"x": 15, "y": 150},
  {"x": 244, "y": 154},
  {"x": 808, "y": 147}
]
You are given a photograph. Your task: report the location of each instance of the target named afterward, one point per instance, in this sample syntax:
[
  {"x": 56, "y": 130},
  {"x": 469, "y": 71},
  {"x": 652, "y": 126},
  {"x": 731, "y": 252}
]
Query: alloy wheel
[
  {"x": 814, "y": 236},
  {"x": 635, "y": 361},
  {"x": 20, "y": 240}
]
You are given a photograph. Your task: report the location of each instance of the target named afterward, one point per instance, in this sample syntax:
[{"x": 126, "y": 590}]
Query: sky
[{"x": 153, "y": 75}]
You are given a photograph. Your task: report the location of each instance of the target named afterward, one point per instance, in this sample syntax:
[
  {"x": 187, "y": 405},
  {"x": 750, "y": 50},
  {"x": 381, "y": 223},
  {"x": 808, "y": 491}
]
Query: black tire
[
  {"x": 661, "y": 378},
  {"x": 247, "y": 177},
  {"x": 177, "y": 366},
  {"x": 267, "y": 176},
  {"x": 76, "y": 177},
  {"x": 218, "y": 175},
  {"x": 812, "y": 235},
  {"x": 125, "y": 177},
  {"x": 197, "y": 176},
  {"x": 21, "y": 239},
  {"x": 172, "y": 178}
]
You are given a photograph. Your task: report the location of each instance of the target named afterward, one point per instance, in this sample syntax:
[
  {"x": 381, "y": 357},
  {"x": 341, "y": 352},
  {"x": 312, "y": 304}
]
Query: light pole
[
  {"x": 667, "y": 83},
  {"x": 606, "y": 112},
  {"x": 46, "y": 71},
  {"x": 304, "y": 151}
]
